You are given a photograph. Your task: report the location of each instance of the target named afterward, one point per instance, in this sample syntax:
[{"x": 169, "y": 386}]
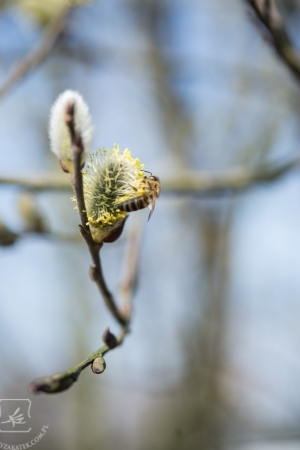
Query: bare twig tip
[{"x": 54, "y": 384}]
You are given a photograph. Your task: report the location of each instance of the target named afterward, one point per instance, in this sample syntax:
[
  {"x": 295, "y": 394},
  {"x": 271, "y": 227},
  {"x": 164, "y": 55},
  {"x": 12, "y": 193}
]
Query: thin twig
[
  {"x": 96, "y": 272},
  {"x": 36, "y": 56},
  {"x": 128, "y": 282},
  {"x": 232, "y": 180},
  {"x": 269, "y": 17},
  {"x": 63, "y": 380},
  {"x": 34, "y": 182},
  {"x": 195, "y": 183}
]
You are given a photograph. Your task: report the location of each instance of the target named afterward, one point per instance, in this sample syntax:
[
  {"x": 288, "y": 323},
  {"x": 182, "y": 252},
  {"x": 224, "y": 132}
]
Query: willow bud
[{"x": 59, "y": 133}]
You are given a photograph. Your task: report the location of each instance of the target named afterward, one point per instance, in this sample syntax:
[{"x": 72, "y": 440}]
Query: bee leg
[{"x": 151, "y": 207}]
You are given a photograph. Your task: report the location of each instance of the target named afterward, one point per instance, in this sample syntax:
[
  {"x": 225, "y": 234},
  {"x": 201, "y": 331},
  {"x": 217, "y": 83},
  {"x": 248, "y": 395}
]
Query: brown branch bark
[
  {"x": 197, "y": 183},
  {"x": 194, "y": 183},
  {"x": 96, "y": 272},
  {"x": 63, "y": 380},
  {"x": 272, "y": 23},
  {"x": 36, "y": 56}
]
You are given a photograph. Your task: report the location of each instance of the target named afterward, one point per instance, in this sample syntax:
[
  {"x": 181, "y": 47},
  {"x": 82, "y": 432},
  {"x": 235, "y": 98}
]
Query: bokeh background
[{"x": 212, "y": 360}]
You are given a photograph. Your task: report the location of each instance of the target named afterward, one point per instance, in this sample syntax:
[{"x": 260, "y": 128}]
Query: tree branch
[
  {"x": 269, "y": 17},
  {"x": 36, "y": 56},
  {"x": 45, "y": 182},
  {"x": 232, "y": 180},
  {"x": 194, "y": 183},
  {"x": 96, "y": 272},
  {"x": 128, "y": 282},
  {"x": 63, "y": 380}
]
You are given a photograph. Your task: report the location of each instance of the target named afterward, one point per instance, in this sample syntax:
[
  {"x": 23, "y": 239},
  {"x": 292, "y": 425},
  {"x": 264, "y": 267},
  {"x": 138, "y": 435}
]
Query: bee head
[{"x": 153, "y": 178}]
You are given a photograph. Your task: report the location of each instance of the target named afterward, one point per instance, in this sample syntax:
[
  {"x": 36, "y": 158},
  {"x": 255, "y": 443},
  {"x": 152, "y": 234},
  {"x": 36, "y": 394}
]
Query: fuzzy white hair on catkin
[{"x": 82, "y": 122}]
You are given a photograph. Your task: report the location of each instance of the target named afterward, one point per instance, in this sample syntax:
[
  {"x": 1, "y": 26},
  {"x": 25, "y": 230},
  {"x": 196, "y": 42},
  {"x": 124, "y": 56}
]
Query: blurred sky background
[{"x": 212, "y": 360}]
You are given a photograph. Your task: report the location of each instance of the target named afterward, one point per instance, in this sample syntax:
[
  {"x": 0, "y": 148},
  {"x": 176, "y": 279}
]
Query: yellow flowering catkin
[{"x": 111, "y": 178}]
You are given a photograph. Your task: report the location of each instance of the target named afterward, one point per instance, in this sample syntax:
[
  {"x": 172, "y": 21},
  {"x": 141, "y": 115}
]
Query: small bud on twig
[
  {"x": 98, "y": 365},
  {"x": 109, "y": 339}
]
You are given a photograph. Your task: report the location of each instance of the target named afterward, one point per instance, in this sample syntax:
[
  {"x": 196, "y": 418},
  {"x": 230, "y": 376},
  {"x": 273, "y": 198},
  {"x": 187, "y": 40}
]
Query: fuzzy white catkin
[{"x": 58, "y": 131}]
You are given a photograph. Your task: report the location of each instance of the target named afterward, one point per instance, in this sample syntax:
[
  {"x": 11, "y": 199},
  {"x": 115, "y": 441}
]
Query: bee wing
[{"x": 151, "y": 207}]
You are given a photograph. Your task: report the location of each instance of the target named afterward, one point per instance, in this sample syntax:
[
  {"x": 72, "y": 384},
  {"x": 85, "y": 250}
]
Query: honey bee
[{"x": 147, "y": 199}]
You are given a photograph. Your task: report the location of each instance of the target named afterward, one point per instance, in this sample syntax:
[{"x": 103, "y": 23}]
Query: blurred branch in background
[
  {"x": 177, "y": 123},
  {"x": 129, "y": 276},
  {"x": 33, "y": 223},
  {"x": 187, "y": 183},
  {"x": 233, "y": 179},
  {"x": 213, "y": 325},
  {"x": 36, "y": 56},
  {"x": 273, "y": 26},
  {"x": 207, "y": 359},
  {"x": 193, "y": 183},
  {"x": 7, "y": 236},
  {"x": 200, "y": 412},
  {"x": 46, "y": 182},
  {"x": 62, "y": 381},
  {"x": 30, "y": 214}
]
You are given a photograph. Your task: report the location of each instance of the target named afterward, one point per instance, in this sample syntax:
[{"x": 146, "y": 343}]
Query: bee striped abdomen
[
  {"x": 147, "y": 199},
  {"x": 134, "y": 204}
]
